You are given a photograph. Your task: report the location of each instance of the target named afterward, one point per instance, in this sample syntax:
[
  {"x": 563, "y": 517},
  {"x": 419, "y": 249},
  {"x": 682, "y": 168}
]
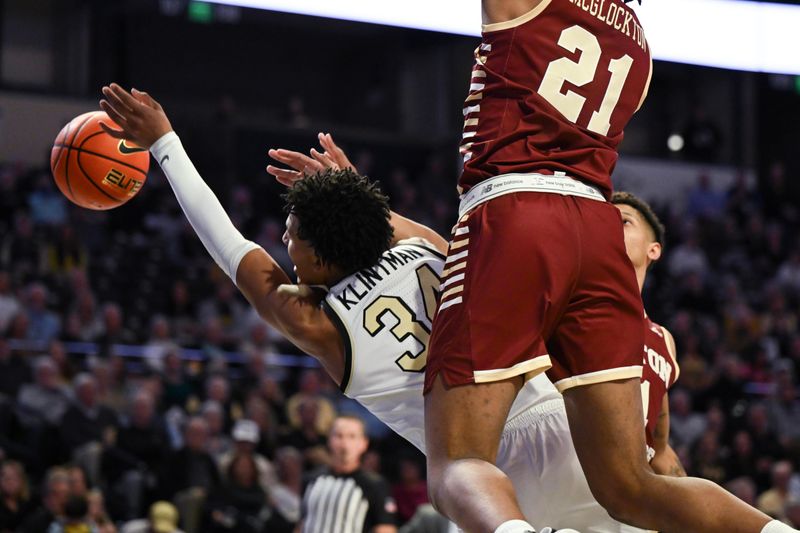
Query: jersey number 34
[{"x": 407, "y": 323}]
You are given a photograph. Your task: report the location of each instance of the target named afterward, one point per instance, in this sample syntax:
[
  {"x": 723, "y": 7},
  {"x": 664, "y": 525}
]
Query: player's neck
[
  {"x": 641, "y": 275},
  {"x": 333, "y": 275}
]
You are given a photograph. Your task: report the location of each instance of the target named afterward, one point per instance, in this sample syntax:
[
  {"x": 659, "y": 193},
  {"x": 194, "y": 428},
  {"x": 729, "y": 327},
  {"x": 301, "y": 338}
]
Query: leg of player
[
  {"x": 462, "y": 430},
  {"x": 606, "y": 423}
]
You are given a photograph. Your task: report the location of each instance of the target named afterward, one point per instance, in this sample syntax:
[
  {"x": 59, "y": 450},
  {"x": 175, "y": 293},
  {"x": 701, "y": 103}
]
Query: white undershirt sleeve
[{"x": 216, "y": 231}]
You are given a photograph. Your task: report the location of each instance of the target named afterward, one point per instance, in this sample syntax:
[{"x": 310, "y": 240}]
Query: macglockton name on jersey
[
  {"x": 616, "y": 16},
  {"x": 389, "y": 262}
]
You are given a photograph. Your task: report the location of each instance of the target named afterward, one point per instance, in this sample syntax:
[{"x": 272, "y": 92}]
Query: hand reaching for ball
[{"x": 140, "y": 118}]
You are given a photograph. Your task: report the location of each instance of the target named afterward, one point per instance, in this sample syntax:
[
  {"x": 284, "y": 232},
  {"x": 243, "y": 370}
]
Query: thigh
[
  {"x": 467, "y": 421},
  {"x": 607, "y": 428}
]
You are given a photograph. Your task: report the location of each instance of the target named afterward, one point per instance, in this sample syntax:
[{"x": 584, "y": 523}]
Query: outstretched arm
[
  {"x": 334, "y": 157},
  {"x": 142, "y": 121}
]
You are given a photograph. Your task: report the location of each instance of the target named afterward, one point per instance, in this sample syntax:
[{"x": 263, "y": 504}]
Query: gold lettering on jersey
[
  {"x": 616, "y": 16},
  {"x": 658, "y": 364}
]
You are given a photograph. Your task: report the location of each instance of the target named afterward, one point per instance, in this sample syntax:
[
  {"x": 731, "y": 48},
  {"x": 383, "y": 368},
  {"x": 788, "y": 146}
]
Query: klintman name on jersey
[{"x": 361, "y": 284}]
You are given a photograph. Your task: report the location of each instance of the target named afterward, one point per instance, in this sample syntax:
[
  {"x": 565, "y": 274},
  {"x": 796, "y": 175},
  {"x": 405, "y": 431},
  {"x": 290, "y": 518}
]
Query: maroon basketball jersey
[
  {"x": 552, "y": 91},
  {"x": 659, "y": 371}
]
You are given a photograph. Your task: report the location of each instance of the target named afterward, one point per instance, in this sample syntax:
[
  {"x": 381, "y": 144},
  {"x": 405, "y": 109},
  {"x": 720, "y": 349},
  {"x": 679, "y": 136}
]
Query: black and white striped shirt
[{"x": 346, "y": 503}]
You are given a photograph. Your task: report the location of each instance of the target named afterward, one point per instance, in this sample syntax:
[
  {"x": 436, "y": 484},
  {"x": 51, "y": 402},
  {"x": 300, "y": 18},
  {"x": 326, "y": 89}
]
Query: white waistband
[{"x": 558, "y": 183}]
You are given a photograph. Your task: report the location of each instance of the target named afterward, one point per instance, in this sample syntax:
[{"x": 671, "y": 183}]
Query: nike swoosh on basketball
[{"x": 125, "y": 149}]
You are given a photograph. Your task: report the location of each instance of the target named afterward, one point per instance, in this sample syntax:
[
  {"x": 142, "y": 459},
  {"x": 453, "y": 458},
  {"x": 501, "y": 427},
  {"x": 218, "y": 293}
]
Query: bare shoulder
[
  {"x": 495, "y": 11},
  {"x": 673, "y": 352},
  {"x": 670, "y": 341}
]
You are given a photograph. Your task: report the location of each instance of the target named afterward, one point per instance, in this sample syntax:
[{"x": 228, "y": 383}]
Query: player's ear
[{"x": 654, "y": 251}]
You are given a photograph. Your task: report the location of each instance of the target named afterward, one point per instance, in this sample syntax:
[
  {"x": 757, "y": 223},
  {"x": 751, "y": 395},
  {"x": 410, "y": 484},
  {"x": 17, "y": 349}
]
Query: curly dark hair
[
  {"x": 644, "y": 209},
  {"x": 344, "y": 216}
]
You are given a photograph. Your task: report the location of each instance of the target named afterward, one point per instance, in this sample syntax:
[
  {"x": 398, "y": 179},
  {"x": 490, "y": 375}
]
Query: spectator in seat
[
  {"x": 43, "y": 324},
  {"x": 14, "y": 370},
  {"x": 411, "y": 491},
  {"x": 54, "y": 500},
  {"x": 45, "y": 399},
  {"x": 142, "y": 443},
  {"x": 772, "y": 502},
  {"x": 15, "y": 498},
  {"x": 190, "y": 474},
  {"x": 311, "y": 391},
  {"x": 245, "y": 437},
  {"x": 87, "y": 426},
  {"x": 241, "y": 504},
  {"x": 306, "y": 437}
]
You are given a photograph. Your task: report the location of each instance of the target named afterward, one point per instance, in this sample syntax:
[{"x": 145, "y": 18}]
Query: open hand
[
  {"x": 140, "y": 118},
  {"x": 302, "y": 165}
]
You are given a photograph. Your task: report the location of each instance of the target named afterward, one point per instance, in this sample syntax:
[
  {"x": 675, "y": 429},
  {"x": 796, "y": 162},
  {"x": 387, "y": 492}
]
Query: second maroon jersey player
[
  {"x": 552, "y": 91},
  {"x": 660, "y": 370}
]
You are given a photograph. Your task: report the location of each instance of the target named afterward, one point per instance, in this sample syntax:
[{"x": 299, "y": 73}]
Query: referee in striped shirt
[{"x": 343, "y": 498}]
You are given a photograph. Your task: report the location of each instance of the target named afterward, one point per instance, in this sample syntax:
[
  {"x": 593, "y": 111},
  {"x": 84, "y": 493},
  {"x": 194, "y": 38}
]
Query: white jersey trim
[
  {"x": 519, "y": 21},
  {"x": 601, "y": 376}
]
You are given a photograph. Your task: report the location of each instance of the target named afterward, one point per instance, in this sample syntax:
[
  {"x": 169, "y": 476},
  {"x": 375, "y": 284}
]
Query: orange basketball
[{"x": 93, "y": 169}]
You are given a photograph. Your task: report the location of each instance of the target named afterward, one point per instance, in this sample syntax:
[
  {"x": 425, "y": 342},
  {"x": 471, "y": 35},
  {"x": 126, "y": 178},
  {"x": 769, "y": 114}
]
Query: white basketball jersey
[{"x": 384, "y": 315}]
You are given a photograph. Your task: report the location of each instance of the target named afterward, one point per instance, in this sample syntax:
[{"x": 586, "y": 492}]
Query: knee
[
  {"x": 622, "y": 494},
  {"x": 435, "y": 484},
  {"x": 447, "y": 479}
]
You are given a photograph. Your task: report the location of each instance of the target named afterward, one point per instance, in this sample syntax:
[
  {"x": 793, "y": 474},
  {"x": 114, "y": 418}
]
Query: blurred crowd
[{"x": 138, "y": 391}]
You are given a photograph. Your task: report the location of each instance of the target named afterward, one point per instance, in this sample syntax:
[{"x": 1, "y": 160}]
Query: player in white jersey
[
  {"x": 370, "y": 329},
  {"x": 387, "y": 324}
]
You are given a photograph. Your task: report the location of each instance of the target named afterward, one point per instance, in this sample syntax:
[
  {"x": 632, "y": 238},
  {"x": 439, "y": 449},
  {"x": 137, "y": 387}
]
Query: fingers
[
  {"x": 146, "y": 99},
  {"x": 119, "y": 111},
  {"x": 286, "y": 177},
  {"x": 324, "y": 159},
  {"x": 296, "y": 160},
  {"x": 117, "y": 134},
  {"x": 112, "y": 113},
  {"x": 116, "y": 102},
  {"x": 124, "y": 96},
  {"x": 334, "y": 152},
  {"x": 326, "y": 141}
]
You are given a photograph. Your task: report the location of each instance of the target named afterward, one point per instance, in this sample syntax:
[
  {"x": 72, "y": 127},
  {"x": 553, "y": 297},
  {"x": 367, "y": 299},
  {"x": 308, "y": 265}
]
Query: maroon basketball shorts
[{"x": 534, "y": 282}]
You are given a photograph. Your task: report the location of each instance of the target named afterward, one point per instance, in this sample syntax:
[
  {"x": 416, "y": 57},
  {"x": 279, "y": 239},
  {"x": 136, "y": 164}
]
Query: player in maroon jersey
[
  {"x": 537, "y": 278},
  {"x": 644, "y": 240}
]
